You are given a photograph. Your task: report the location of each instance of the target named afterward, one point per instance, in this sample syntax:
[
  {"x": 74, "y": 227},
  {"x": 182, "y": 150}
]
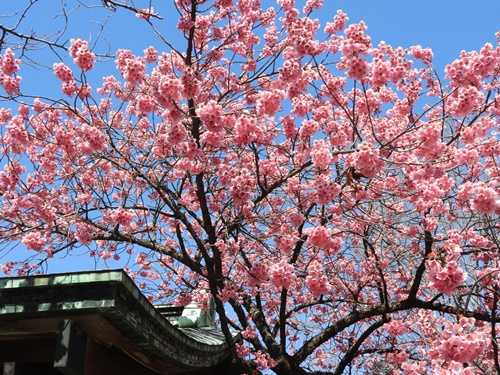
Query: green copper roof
[{"x": 113, "y": 295}]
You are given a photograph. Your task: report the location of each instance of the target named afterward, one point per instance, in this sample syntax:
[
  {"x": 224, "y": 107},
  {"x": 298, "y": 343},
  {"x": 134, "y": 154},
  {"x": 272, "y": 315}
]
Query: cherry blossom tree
[{"x": 339, "y": 198}]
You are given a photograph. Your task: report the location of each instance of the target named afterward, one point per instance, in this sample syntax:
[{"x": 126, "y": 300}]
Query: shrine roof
[{"x": 86, "y": 297}]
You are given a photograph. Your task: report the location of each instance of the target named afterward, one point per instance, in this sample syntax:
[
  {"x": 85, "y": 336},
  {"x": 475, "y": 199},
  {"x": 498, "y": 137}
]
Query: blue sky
[{"x": 444, "y": 25}]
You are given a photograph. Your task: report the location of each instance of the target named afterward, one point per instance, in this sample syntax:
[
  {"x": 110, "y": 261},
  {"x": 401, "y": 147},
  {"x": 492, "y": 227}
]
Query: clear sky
[{"x": 444, "y": 25}]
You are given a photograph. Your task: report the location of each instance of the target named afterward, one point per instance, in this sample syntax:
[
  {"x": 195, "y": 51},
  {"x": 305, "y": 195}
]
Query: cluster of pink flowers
[
  {"x": 263, "y": 360},
  {"x": 132, "y": 68},
  {"x": 144, "y": 105},
  {"x": 242, "y": 350},
  {"x": 465, "y": 156},
  {"x": 321, "y": 155},
  {"x": 301, "y": 33},
  {"x": 9, "y": 65},
  {"x": 486, "y": 200},
  {"x": 202, "y": 297},
  {"x": 357, "y": 41},
  {"x": 82, "y": 57},
  {"x": 380, "y": 73},
  {"x": 92, "y": 139},
  {"x": 356, "y": 67},
  {"x": 241, "y": 189},
  {"x": 489, "y": 276},
  {"x": 142, "y": 260},
  {"x": 282, "y": 275},
  {"x": 191, "y": 83},
  {"x": 445, "y": 278},
  {"x": 119, "y": 216},
  {"x": 212, "y": 115},
  {"x": 312, "y": 4},
  {"x": 249, "y": 333},
  {"x": 8, "y": 267},
  {"x": 355, "y": 44},
  {"x": 85, "y": 60},
  {"x": 269, "y": 102},
  {"x": 291, "y": 70},
  {"x": 479, "y": 129},
  {"x": 326, "y": 189},
  {"x": 316, "y": 281},
  {"x": 34, "y": 241},
  {"x": 465, "y": 100},
  {"x": 473, "y": 66},
  {"x": 396, "y": 327},
  {"x": 10, "y": 176},
  {"x": 424, "y": 54},
  {"x": 84, "y": 233},
  {"x": 432, "y": 183},
  {"x": 308, "y": 128},
  {"x": 175, "y": 134},
  {"x": 246, "y": 130},
  {"x": 464, "y": 347},
  {"x": 258, "y": 273},
  {"x": 169, "y": 88},
  {"x": 367, "y": 160},
  {"x": 150, "y": 55},
  {"x": 64, "y": 73},
  {"x": 320, "y": 236},
  {"x": 431, "y": 145},
  {"x": 338, "y": 24},
  {"x": 182, "y": 299}
]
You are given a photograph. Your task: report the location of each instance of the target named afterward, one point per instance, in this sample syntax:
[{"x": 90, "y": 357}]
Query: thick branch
[
  {"x": 353, "y": 350},
  {"x": 357, "y": 316}
]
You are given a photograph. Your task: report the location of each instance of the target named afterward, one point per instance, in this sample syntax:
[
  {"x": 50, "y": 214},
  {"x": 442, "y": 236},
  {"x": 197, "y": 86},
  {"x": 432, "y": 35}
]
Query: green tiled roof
[{"x": 113, "y": 295}]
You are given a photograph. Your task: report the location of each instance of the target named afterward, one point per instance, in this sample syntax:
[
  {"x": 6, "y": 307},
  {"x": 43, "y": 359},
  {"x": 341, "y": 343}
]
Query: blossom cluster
[
  {"x": 367, "y": 160},
  {"x": 146, "y": 13},
  {"x": 282, "y": 275},
  {"x": 212, "y": 116},
  {"x": 82, "y": 57},
  {"x": 64, "y": 73},
  {"x": 258, "y": 273},
  {"x": 9, "y": 65},
  {"x": 241, "y": 187},
  {"x": 132, "y": 68},
  {"x": 445, "y": 278},
  {"x": 460, "y": 343},
  {"x": 317, "y": 281}
]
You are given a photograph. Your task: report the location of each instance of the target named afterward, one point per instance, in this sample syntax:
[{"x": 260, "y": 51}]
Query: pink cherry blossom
[
  {"x": 316, "y": 281},
  {"x": 211, "y": 114},
  {"x": 269, "y": 102},
  {"x": 8, "y": 63},
  {"x": 259, "y": 272},
  {"x": 486, "y": 200},
  {"x": 241, "y": 187},
  {"x": 281, "y": 275},
  {"x": 445, "y": 278},
  {"x": 366, "y": 160},
  {"x": 63, "y": 72},
  {"x": 82, "y": 57},
  {"x": 321, "y": 155},
  {"x": 34, "y": 241}
]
